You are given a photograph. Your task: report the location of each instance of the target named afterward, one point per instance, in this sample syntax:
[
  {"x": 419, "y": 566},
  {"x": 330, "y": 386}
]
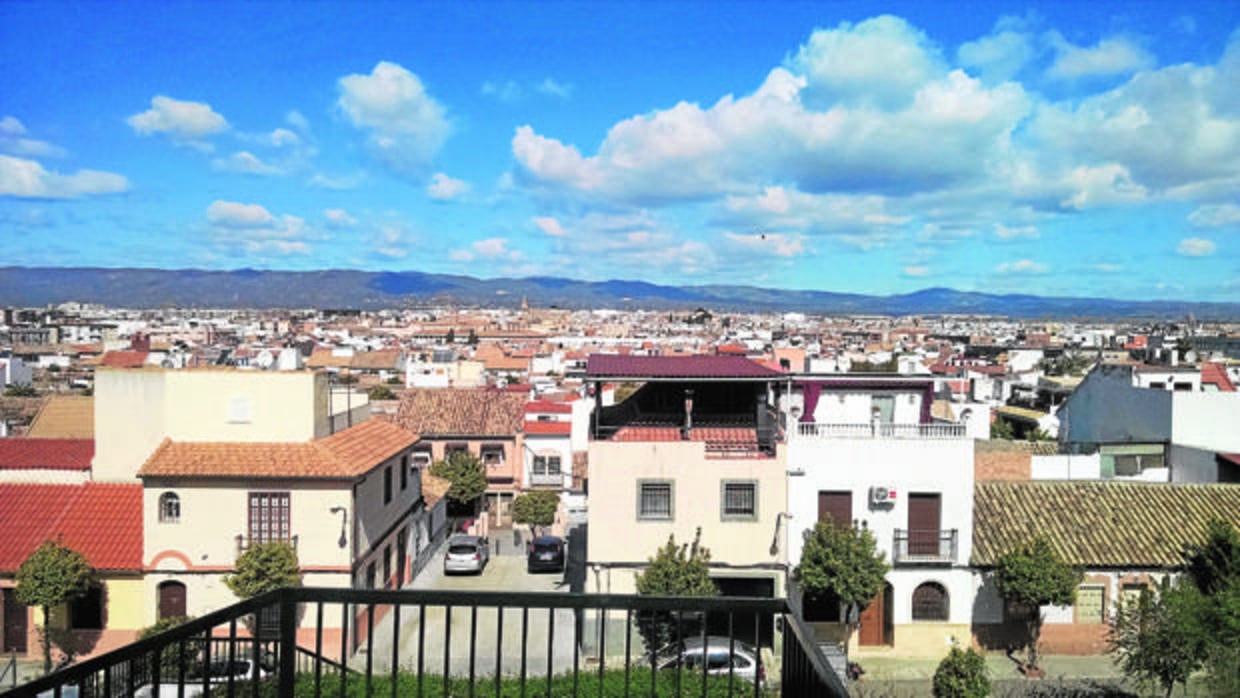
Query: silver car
[
  {"x": 466, "y": 554},
  {"x": 720, "y": 654}
]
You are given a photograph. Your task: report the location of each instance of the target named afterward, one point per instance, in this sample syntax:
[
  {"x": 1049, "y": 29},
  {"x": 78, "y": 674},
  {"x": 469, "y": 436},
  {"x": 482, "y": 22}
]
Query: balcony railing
[
  {"x": 869, "y": 430},
  {"x": 454, "y": 643},
  {"x": 924, "y": 547},
  {"x": 546, "y": 479}
]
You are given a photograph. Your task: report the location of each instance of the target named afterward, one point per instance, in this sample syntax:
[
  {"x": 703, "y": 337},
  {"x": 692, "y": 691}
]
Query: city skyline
[{"x": 879, "y": 149}]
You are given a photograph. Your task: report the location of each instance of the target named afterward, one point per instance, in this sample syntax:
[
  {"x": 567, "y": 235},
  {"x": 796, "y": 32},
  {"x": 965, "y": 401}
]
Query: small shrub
[{"x": 962, "y": 674}]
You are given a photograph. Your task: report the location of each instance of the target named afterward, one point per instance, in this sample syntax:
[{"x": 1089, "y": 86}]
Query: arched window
[
  {"x": 169, "y": 508},
  {"x": 930, "y": 602}
]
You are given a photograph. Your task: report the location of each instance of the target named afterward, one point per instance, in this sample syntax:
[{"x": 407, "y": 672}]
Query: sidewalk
[{"x": 911, "y": 677}]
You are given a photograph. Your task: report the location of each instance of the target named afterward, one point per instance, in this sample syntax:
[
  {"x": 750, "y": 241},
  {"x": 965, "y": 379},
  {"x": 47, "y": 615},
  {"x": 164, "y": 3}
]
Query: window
[
  {"x": 404, "y": 472},
  {"x": 654, "y": 500},
  {"x": 387, "y": 565},
  {"x": 1183, "y": 387},
  {"x": 492, "y": 456},
  {"x": 269, "y": 517},
  {"x": 930, "y": 602},
  {"x": 547, "y": 465},
  {"x": 86, "y": 611},
  {"x": 1131, "y": 464},
  {"x": 1158, "y": 385},
  {"x": 370, "y": 575},
  {"x": 1130, "y": 595},
  {"x": 1090, "y": 600},
  {"x": 387, "y": 484},
  {"x": 422, "y": 458},
  {"x": 169, "y": 508},
  {"x": 739, "y": 500}
]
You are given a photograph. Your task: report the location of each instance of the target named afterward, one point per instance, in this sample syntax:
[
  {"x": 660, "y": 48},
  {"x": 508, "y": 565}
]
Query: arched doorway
[{"x": 171, "y": 600}]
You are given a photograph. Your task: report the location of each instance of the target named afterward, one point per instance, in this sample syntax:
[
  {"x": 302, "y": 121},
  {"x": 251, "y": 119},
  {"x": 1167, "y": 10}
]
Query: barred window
[
  {"x": 739, "y": 500},
  {"x": 654, "y": 500},
  {"x": 169, "y": 508},
  {"x": 930, "y": 602}
]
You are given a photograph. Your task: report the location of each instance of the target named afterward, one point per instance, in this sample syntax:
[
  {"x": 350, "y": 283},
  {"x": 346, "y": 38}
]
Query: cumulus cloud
[
  {"x": 1101, "y": 186},
  {"x": 28, "y": 179},
  {"x": 339, "y": 218},
  {"x": 335, "y": 183},
  {"x": 14, "y": 142},
  {"x": 862, "y": 221},
  {"x": 1215, "y": 216},
  {"x": 549, "y": 226},
  {"x": 999, "y": 56},
  {"x": 1108, "y": 57},
  {"x": 243, "y": 162},
  {"x": 392, "y": 241},
  {"x": 405, "y": 125},
  {"x": 489, "y": 249},
  {"x": 181, "y": 121},
  {"x": 444, "y": 188},
  {"x": 230, "y": 214},
  {"x": 1195, "y": 247},
  {"x": 1022, "y": 267},
  {"x": 251, "y": 228}
]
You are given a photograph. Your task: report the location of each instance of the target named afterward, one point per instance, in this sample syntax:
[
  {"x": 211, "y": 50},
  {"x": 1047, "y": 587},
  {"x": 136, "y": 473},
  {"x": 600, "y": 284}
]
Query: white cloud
[
  {"x": 230, "y": 214},
  {"x": 251, "y": 228},
  {"x": 1023, "y": 266},
  {"x": 243, "y": 162},
  {"x": 882, "y": 61},
  {"x": 298, "y": 121},
  {"x": 182, "y": 121},
  {"x": 768, "y": 244},
  {"x": 1195, "y": 247},
  {"x": 1026, "y": 232},
  {"x": 13, "y": 142},
  {"x": 341, "y": 183},
  {"x": 507, "y": 91},
  {"x": 916, "y": 270},
  {"x": 1102, "y": 186},
  {"x": 392, "y": 241},
  {"x": 1108, "y": 57},
  {"x": 549, "y": 226},
  {"x": 1215, "y": 216},
  {"x": 339, "y": 218},
  {"x": 999, "y": 56},
  {"x": 444, "y": 188},
  {"x": 28, "y": 179},
  {"x": 282, "y": 138},
  {"x": 1106, "y": 268},
  {"x": 555, "y": 88},
  {"x": 406, "y": 126},
  {"x": 490, "y": 249}
]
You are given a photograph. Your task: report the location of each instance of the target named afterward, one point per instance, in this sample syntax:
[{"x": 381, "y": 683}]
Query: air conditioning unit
[{"x": 882, "y": 494}]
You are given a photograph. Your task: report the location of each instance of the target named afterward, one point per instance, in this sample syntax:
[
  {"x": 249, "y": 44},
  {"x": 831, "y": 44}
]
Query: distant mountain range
[{"x": 346, "y": 289}]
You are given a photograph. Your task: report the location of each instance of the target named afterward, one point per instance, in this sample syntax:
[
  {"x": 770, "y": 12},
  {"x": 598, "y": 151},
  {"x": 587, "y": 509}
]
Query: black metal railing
[
  {"x": 324, "y": 641},
  {"x": 9, "y": 673},
  {"x": 924, "y": 546}
]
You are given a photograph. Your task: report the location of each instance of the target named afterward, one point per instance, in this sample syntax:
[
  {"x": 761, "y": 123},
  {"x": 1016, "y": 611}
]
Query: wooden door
[
  {"x": 15, "y": 629},
  {"x": 171, "y": 600},
  {"x": 923, "y": 524},
  {"x": 837, "y": 506},
  {"x": 876, "y": 620}
]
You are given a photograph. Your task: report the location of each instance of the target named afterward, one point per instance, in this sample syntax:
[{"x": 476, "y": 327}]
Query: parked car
[
  {"x": 720, "y": 654},
  {"x": 546, "y": 553},
  {"x": 218, "y": 673},
  {"x": 466, "y": 554}
]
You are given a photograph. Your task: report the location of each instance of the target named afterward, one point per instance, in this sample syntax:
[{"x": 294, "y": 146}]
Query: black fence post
[{"x": 288, "y": 642}]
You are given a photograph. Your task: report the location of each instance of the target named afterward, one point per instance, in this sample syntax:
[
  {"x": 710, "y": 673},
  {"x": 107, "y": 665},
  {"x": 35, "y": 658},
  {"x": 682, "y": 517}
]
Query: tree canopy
[
  {"x": 265, "y": 567},
  {"x": 465, "y": 472},
  {"x": 50, "y": 576},
  {"x": 536, "y": 508},
  {"x": 381, "y": 392},
  {"x": 674, "y": 570},
  {"x": 1034, "y": 575},
  {"x": 841, "y": 561}
]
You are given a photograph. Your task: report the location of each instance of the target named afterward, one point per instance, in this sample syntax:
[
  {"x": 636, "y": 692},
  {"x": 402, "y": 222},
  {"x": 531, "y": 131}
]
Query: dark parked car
[{"x": 546, "y": 553}]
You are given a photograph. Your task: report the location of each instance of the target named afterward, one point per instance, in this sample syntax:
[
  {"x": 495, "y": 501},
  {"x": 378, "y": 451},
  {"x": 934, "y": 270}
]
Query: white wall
[
  {"x": 1206, "y": 420},
  {"x": 1067, "y": 467}
]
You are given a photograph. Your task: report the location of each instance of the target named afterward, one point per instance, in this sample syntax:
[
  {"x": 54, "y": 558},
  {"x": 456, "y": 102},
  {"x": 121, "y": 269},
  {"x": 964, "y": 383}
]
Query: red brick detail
[{"x": 1002, "y": 465}]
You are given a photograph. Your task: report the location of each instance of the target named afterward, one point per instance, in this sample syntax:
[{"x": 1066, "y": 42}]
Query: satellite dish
[{"x": 265, "y": 360}]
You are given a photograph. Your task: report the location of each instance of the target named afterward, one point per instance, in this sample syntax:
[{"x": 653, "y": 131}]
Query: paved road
[{"x": 505, "y": 572}]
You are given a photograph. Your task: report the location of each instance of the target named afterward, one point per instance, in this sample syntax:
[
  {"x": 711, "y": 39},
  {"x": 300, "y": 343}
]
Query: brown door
[
  {"x": 876, "y": 621},
  {"x": 837, "y": 506},
  {"x": 923, "y": 524},
  {"x": 14, "y": 622},
  {"x": 171, "y": 600}
]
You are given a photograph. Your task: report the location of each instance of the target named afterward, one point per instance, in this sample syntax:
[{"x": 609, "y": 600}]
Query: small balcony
[
  {"x": 924, "y": 547},
  {"x": 453, "y": 643},
  {"x": 880, "y": 430},
  {"x": 546, "y": 480}
]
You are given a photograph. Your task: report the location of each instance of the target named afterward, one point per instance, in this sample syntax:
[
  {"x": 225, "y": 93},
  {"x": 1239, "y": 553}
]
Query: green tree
[
  {"x": 1034, "y": 575},
  {"x": 21, "y": 390},
  {"x": 48, "y": 577},
  {"x": 674, "y": 570},
  {"x": 1001, "y": 429},
  {"x": 1214, "y": 568},
  {"x": 535, "y": 508},
  {"x": 451, "y": 337},
  {"x": 1159, "y": 640},
  {"x": 265, "y": 567},
  {"x": 961, "y": 674},
  {"x": 472, "y": 339},
  {"x": 843, "y": 563},
  {"x": 381, "y": 392},
  {"x": 465, "y": 472}
]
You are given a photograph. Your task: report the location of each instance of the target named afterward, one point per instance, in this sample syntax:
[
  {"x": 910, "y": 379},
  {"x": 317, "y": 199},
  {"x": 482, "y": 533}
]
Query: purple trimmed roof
[{"x": 619, "y": 366}]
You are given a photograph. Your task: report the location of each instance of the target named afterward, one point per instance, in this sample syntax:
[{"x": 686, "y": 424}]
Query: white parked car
[
  {"x": 218, "y": 673},
  {"x": 466, "y": 554},
  {"x": 720, "y": 654}
]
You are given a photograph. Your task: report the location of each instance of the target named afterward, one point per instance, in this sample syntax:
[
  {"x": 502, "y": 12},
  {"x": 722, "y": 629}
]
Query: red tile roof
[
  {"x": 548, "y": 428},
  {"x": 46, "y": 454},
  {"x": 103, "y": 521},
  {"x": 1215, "y": 374},
  {"x": 124, "y": 359},
  {"x": 614, "y": 366},
  {"x": 547, "y": 407},
  {"x": 343, "y": 455},
  {"x": 461, "y": 412},
  {"x": 737, "y": 435}
]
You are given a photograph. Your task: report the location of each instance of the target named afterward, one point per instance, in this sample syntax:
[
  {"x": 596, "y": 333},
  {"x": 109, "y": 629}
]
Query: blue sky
[{"x": 1088, "y": 149}]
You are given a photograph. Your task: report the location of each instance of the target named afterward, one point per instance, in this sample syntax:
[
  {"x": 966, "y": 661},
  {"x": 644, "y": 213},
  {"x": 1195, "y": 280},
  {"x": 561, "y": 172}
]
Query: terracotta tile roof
[
  {"x": 1099, "y": 524},
  {"x": 64, "y": 417},
  {"x": 382, "y": 360},
  {"x": 548, "y": 428},
  {"x": 343, "y": 455},
  {"x": 124, "y": 359},
  {"x": 434, "y": 488},
  {"x": 46, "y": 454},
  {"x": 103, "y": 521},
  {"x": 547, "y": 407},
  {"x": 326, "y": 358},
  {"x": 1215, "y": 374},
  {"x": 615, "y": 366},
  {"x": 461, "y": 412},
  {"x": 713, "y": 434}
]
